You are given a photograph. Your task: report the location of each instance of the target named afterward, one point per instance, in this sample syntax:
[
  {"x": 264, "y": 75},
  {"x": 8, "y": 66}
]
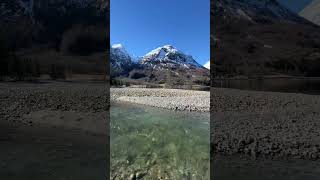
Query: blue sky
[
  {"x": 295, "y": 5},
  {"x": 143, "y": 25}
]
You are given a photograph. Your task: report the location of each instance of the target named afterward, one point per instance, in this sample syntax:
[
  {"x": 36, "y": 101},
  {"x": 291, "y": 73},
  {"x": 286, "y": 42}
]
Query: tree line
[{"x": 27, "y": 69}]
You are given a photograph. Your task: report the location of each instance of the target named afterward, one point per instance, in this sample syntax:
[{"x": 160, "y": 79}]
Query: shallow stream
[{"x": 151, "y": 143}]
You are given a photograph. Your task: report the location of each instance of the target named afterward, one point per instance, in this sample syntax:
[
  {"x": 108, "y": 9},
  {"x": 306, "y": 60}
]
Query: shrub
[{"x": 134, "y": 74}]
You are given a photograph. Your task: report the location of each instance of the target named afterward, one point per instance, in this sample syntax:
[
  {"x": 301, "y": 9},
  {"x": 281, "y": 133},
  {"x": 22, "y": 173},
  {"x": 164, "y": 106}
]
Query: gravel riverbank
[
  {"x": 173, "y": 99},
  {"x": 55, "y": 103},
  {"x": 54, "y": 130},
  {"x": 271, "y": 124}
]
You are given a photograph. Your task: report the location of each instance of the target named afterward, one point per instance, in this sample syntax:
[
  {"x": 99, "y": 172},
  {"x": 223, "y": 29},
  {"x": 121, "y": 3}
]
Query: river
[{"x": 153, "y": 143}]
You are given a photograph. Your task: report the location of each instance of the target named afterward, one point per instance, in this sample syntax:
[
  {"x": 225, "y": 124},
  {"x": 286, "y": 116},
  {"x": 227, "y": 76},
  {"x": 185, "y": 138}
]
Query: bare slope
[{"x": 312, "y": 12}]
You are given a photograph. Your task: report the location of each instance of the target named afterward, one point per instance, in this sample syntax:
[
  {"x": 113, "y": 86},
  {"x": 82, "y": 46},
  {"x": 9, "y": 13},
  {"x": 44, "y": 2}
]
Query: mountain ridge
[
  {"x": 312, "y": 12},
  {"x": 264, "y": 44},
  {"x": 157, "y": 66},
  {"x": 170, "y": 55},
  {"x": 255, "y": 11}
]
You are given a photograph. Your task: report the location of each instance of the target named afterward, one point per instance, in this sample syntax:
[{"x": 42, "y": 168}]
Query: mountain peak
[
  {"x": 168, "y": 46},
  {"x": 120, "y": 60},
  {"x": 168, "y": 56},
  {"x": 117, "y": 46},
  {"x": 162, "y": 50}
]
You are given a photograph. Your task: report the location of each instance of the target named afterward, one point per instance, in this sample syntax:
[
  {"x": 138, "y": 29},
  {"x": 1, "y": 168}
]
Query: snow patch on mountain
[
  {"x": 243, "y": 14},
  {"x": 312, "y": 12},
  {"x": 120, "y": 51},
  {"x": 120, "y": 60},
  {"x": 168, "y": 57},
  {"x": 117, "y": 46},
  {"x": 207, "y": 65}
]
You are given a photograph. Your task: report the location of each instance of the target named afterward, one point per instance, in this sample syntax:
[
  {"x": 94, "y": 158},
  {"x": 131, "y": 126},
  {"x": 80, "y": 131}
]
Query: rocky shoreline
[
  {"x": 69, "y": 105},
  {"x": 265, "y": 124},
  {"x": 172, "y": 99}
]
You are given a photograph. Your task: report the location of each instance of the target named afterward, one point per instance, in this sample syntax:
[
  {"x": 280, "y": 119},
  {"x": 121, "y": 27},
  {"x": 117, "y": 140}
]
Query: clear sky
[
  {"x": 295, "y": 5},
  {"x": 143, "y": 25}
]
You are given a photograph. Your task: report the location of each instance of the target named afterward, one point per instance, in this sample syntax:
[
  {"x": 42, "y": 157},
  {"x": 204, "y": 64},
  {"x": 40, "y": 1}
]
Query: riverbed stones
[{"x": 132, "y": 177}]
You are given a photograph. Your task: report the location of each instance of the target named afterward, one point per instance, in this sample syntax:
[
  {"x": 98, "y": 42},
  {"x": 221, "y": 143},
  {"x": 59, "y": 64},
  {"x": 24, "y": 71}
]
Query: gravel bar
[{"x": 173, "y": 99}]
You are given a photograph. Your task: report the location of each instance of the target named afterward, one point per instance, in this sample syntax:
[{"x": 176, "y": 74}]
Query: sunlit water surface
[{"x": 151, "y": 143}]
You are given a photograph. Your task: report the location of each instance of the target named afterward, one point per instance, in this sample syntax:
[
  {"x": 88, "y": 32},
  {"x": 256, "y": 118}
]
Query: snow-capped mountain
[
  {"x": 256, "y": 11},
  {"x": 260, "y": 37},
  {"x": 312, "y": 12},
  {"x": 165, "y": 64},
  {"x": 163, "y": 58},
  {"x": 120, "y": 52},
  {"x": 168, "y": 57},
  {"x": 120, "y": 60}
]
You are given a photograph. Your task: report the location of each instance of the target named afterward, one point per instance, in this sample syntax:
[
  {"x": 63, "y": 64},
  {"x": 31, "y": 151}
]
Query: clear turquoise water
[{"x": 154, "y": 143}]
